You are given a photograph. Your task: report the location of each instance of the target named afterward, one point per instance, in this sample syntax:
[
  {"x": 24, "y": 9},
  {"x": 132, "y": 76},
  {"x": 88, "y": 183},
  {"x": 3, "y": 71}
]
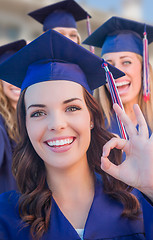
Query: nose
[
  {"x": 57, "y": 122},
  {"x": 119, "y": 66}
]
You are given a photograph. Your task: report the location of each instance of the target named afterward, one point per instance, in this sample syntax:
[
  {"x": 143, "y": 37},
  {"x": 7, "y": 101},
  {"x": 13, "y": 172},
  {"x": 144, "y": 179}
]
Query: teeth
[
  {"x": 119, "y": 84},
  {"x": 60, "y": 142}
]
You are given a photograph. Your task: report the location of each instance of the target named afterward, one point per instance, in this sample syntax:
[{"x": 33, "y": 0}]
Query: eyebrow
[
  {"x": 110, "y": 60},
  {"x": 125, "y": 57},
  {"x": 37, "y": 105},
  {"x": 65, "y": 102},
  {"x": 71, "y": 100}
]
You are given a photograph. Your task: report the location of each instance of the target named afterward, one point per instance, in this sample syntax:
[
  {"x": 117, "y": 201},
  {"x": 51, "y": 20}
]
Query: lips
[
  {"x": 60, "y": 142},
  {"x": 121, "y": 84},
  {"x": 123, "y": 87}
]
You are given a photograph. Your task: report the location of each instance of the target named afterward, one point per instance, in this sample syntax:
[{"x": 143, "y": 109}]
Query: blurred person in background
[
  {"x": 62, "y": 17},
  {"x": 9, "y": 95},
  {"x": 123, "y": 46}
]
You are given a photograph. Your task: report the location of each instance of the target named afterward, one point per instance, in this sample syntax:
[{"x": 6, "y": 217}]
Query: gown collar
[{"x": 104, "y": 220}]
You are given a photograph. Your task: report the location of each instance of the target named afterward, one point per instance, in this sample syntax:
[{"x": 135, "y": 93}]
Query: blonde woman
[
  {"x": 62, "y": 17},
  {"x": 9, "y": 95},
  {"x": 122, "y": 46}
]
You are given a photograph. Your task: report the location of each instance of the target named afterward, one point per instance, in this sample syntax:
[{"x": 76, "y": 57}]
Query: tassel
[
  {"x": 146, "y": 84},
  {"x": 89, "y": 33},
  {"x": 115, "y": 97}
]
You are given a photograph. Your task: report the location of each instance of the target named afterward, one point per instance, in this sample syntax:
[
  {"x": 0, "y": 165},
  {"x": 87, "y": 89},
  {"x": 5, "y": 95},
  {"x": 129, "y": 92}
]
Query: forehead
[
  {"x": 53, "y": 91},
  {"x": 65, "y": 29},
  {"x": 120, "y": 54}
]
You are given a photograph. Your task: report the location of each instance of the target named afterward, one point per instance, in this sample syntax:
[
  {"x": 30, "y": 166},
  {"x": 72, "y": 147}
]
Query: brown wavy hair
[
  {"x": 8, "y": 114},
  {"x": 29, "y": 171}
]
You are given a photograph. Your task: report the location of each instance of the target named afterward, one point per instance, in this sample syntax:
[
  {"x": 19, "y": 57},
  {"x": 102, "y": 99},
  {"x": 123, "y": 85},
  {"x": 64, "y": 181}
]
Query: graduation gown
[
  {"x": 104, "y": 220},
  {"x": 7, "y": 181},
  {"x": 113, "y": 128}
]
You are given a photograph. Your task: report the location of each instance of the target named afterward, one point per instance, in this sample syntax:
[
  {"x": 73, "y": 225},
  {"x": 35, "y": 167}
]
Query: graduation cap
[
  {"x": 121, "y": 35},
  {"x": 62, "y": 14},
  {"x": 9, "y": 49},
  {"x": 45, "y": 59}
]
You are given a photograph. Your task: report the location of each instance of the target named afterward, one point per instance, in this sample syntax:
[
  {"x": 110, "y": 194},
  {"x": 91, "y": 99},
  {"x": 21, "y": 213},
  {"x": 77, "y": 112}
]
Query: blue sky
[{"x": 147, "y": 6}]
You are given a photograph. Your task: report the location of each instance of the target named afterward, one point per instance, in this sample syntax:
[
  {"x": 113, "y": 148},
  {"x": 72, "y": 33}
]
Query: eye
[
  {"x": 127, "y": 62},
  {"x": 72, "y": 109},
  {"x": 73, "y": 35},
  {"x": 38, "y": 114}
]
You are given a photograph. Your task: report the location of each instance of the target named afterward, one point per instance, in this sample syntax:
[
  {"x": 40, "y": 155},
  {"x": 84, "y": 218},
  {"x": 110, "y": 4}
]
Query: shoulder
[
  {"x": 11, "y": 225},
  {"x": 10, "y": 196},
  {"x": 9, "y": 211},
  {"x": 2, "y": 126},
  {"x": 4, "y": 137},
  {"x": 2, "y": 121},
  {"x": 9, "y": 203}
]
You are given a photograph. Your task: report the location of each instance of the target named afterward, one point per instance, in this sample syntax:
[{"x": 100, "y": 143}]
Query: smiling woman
[
  {"x": 64, "y": 190},
  {"x": 124, "y": 46}
]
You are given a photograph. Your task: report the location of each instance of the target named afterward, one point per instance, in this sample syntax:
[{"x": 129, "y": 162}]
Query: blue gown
[
  {"x": 113, "y": 128},
  {"x": 7, "y": 181},
  {"x": 104, "y": 220}
]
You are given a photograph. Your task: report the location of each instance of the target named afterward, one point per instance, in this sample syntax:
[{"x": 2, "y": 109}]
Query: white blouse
[{"x": 80, "y": 232}]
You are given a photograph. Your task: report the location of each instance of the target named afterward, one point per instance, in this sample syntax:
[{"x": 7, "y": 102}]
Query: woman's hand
[{"x": 137, "y": 169}]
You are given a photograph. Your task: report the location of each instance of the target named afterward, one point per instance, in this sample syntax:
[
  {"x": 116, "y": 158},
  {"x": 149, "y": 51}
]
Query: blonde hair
[
  {"x": 103, "y": 97},
  {"x": 8, "y": 113}
]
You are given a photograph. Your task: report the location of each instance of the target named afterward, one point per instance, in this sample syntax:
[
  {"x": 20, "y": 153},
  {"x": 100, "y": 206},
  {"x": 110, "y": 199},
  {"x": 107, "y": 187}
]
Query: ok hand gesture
[{"x": 137, "y": 169}]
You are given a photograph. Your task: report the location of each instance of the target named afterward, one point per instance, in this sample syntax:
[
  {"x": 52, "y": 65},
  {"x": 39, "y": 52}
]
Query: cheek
[
  {"x": 84, "y": 126},
  {"x": 6, "y": 90},
  {"x": 35, "y": 132},
  {"x": 137, "y": 77}
]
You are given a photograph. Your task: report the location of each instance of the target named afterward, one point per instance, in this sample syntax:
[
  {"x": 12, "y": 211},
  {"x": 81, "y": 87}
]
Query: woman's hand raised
[{"x": 137, "y": 169}]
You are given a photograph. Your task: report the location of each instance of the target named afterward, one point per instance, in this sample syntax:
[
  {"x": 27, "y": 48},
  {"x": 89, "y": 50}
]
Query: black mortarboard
[
  {"x": 62, "y": 14},
  {"x": 45, "y": 59},
  {"x": 120, "y": 34},
  {"x": 9, "y": 49}
]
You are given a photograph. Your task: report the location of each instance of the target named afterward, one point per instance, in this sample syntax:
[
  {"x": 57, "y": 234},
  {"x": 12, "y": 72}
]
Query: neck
[
  {"x": 71, "y": 183},
  {"x": 14, "y": 104},
  {"x": 73, "y": 191}
]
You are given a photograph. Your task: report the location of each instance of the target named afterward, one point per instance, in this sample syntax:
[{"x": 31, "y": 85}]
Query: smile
[
  {"x": 120, "y": 84},
  {"x": 123, "y": 87},
  {"x": 60, "y": 142}
]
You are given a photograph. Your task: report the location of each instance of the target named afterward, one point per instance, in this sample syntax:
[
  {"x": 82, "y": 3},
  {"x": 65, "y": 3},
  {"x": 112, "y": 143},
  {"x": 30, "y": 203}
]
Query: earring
[{"x": 91, "y": 125}]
